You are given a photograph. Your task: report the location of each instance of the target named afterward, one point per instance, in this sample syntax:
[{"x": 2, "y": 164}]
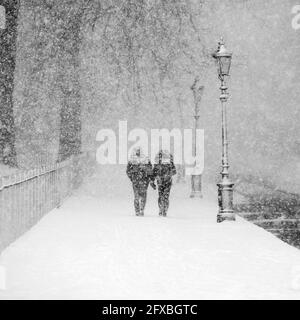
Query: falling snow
[{"x": 70, "y": 68}]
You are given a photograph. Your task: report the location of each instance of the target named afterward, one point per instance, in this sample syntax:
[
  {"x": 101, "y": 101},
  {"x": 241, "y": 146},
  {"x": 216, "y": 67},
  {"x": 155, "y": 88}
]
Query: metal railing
[{"x": 25, "y": 197}]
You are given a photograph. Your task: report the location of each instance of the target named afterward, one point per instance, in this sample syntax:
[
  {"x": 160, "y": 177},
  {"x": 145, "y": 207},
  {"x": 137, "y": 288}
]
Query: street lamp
[
  {"x": 196, "y": 178},
  {"x": 225, "y": 187}
]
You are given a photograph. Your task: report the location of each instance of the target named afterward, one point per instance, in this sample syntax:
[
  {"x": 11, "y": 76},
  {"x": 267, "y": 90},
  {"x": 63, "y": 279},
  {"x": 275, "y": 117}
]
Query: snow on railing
[{"x": 25, "y": 197}]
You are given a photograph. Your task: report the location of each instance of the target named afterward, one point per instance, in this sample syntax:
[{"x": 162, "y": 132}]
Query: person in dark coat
[
  {"x": 163, "y": 171},
  {"x": 139, "y": 171}
]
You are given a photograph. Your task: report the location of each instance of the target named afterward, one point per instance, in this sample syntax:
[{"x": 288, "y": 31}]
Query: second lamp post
[{"x": 196, "y": 177}]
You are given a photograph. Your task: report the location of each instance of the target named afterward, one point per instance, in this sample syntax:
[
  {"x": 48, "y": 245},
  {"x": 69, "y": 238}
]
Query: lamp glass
[{"x": 224, "y": 65}]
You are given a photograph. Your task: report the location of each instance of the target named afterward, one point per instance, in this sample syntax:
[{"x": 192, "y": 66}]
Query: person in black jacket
[
  {"x": 139, "y": 171},
  {"x": 163, "y": 171}
]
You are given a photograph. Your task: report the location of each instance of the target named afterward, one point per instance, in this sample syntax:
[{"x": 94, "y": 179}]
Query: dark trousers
[
  {"x": 163, "y": 197},
  {"x": 140, "y": 198}
]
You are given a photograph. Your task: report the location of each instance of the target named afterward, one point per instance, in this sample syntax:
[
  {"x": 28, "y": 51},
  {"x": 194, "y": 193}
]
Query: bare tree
[
  {"x": 142, "y": 38},
  {"x": 8, "y": 37}
]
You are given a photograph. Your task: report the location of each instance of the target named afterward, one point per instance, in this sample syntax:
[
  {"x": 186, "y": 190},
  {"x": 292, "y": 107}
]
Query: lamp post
[
  {"x": 225, "y": 187},
  {"x": 196, "y": 178}
]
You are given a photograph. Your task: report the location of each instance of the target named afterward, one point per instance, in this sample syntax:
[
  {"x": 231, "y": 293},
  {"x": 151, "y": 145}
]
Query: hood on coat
[
  {"x": 163, "y": 156},
  {"x": 138, "y": 157}
]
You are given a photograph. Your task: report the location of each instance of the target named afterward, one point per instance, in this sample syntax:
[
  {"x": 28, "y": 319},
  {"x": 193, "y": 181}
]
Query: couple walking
[{"x": 141, "y": 173}]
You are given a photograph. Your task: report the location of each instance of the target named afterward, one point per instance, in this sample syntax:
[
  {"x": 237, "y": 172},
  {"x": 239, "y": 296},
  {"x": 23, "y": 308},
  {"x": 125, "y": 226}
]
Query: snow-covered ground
[{"x": 95, "y": 248}]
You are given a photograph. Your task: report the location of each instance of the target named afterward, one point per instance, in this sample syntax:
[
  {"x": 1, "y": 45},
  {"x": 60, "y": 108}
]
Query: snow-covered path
[{"x": 95, "y": 248}]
